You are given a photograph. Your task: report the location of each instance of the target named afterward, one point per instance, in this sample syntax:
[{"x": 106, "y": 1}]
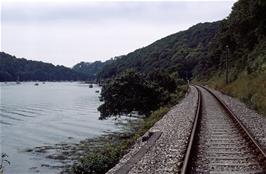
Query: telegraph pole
[{"x": 226, "y": 64}]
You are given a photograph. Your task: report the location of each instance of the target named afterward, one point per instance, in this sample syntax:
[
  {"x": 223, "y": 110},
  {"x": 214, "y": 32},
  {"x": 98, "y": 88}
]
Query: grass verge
[{"x": 248, "y": 88}]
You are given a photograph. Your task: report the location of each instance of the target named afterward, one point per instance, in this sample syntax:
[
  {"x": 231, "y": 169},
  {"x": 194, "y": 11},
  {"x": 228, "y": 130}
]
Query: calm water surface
[{"x": 54, "y": 112}]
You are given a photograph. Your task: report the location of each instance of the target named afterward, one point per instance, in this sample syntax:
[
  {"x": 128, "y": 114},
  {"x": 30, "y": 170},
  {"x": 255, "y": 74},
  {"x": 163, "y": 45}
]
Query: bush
[{"x": 100, "y": 160}]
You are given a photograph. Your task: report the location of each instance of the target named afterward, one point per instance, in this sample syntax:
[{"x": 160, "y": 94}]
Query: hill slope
[
  {"x": 178, "y": 52},
  {"x": 201, "y": 50},
  {"x": 12, "y": 68},
  {"x": 91, "y": 70},
  {"x": 244, "y": 31}
]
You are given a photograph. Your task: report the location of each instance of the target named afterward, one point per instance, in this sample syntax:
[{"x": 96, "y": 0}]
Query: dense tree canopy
[
  {"x": 12, "y": 69},
  {"x": 132, "y": 91},
  {"x": 244, "y": 32},
  {"x": 179, "y": 52},
  {"x": 89, "y": 69}
]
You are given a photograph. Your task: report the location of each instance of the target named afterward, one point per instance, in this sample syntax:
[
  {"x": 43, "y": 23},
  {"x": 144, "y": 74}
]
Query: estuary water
[{"x": 47, "y": 114}]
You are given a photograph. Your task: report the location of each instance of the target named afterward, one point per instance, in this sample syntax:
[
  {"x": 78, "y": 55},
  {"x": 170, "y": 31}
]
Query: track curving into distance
[{"x": 219, "y": 143}]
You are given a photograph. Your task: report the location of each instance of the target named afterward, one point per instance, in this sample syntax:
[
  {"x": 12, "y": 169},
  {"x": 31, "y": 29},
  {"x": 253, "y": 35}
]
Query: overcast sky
[{"x": 68, "y": 32}]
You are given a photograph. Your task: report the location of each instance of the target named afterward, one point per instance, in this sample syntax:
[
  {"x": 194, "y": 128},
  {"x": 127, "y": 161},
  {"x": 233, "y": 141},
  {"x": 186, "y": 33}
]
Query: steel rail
[
  {"x": 192, "y": 134},
  {"x": 243, "y": 129},
  {"x": 187, "y": 159}
]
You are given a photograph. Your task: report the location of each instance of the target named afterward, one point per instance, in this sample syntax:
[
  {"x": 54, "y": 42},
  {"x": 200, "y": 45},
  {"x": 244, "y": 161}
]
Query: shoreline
[
  {"x": 67, "y": 155},
  {"x": 70, "y": 156}
]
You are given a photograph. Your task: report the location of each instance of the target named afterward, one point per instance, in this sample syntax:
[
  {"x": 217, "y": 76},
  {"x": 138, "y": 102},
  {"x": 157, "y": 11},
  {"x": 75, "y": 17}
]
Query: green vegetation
[
  {"x": 244, "y": 31},
  {"x": 102, "y": 158},
  {"x": 132, "y": 91},
  {"x": 12, "y": 69},
  {"x": 250, "y": 89},
  {"x": 89, "y": 69},
  {"x": 178, "y": 53}
]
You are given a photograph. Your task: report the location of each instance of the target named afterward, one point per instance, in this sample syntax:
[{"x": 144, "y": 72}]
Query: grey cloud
[{"x": 91, "y": 12}]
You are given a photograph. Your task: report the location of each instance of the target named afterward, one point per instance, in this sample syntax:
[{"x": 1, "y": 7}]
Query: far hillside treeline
[
  {"x": 13, "y": 69},
  {"x": 178, "y": 54},
  {"x": 91, "y": 70}
]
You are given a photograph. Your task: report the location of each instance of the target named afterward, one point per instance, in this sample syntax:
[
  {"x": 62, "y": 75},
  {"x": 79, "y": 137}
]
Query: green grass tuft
[{"x": 249, "y": 88}]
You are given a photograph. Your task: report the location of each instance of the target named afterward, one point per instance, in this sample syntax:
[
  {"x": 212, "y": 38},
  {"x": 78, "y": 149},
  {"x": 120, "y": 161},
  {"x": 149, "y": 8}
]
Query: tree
[
  {"x": 130, "y": 92},
  {"x": 163, "y": 79}
]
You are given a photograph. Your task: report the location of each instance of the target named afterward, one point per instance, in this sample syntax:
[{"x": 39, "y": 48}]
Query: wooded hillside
[{"x": 12, "y": 69}]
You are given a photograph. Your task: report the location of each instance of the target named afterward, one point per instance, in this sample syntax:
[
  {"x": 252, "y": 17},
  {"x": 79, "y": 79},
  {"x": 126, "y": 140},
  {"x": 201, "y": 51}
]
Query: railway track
[{"x": 219, "y": 142}]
